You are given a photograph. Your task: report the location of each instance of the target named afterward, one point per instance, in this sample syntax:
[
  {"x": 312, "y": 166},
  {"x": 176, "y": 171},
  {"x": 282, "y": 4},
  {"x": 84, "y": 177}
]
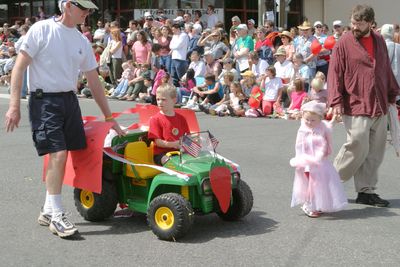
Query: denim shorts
[{"x": 56, "y": 122}]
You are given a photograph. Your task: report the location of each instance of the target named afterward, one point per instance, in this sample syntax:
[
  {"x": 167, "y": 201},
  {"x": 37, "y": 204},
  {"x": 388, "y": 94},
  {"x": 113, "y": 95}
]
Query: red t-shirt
[
  {"x": 167, "y": 128},
  {"x": 368, "y": 44}
]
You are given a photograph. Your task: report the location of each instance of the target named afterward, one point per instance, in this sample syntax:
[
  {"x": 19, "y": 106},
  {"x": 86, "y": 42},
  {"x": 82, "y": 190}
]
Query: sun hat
[
  {"x": 287, "y": 34},
  {"x": 314, "y": 106},
  {"x": 178, "y": 19},
  {"x": 305, "y": 26},
  {"x": 280, "y": 52}
]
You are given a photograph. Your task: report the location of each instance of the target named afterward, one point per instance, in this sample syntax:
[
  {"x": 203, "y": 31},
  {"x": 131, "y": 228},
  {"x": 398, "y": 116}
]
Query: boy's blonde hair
[
  {"x": 317, "y": 84},
  {"x": 229, "y": 76},
  {"x": 167, "y": 90}
]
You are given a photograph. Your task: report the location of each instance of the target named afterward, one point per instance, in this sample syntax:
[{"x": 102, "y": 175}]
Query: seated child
[
  {"x": 187, "y": 85},
  {"x": 228, "y": 67},
  {"x": 236, "y": 98},
  {"x": 160, "y": 73},
  {"x": 297, "y": 98},
  {"x": 272, "y": 87},
  {"x": 222, "y": 105},
  {"x": 213, "y": 93},
  {"x": 136, "y": 85},
  {"x": 127, "y": 75},
  {"x": 317, "y": 92},
  {"x": 166, "y": 127},
  {"x": 146, "y": 97}
]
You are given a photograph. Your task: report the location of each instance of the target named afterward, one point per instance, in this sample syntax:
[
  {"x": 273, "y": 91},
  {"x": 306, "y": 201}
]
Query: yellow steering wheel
[{"x": 172, "y": 153}]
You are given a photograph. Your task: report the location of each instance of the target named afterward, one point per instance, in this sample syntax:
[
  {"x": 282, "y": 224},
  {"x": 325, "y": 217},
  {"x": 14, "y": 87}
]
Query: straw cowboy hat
[
  {"x": 305, "y": 26},
  {"x": 287, "y": 34}
]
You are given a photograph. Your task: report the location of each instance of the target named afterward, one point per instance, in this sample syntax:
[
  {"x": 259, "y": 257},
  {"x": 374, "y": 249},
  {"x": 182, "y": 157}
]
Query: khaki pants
[{"x": 363, "y": 152}]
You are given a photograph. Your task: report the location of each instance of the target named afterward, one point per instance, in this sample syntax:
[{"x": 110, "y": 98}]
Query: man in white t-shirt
[
  {"x": 56, "y": 52},
  {"x": 179, "y": 46}
]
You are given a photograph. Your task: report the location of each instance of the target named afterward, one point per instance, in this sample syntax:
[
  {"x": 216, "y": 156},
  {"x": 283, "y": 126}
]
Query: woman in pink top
[
  {"x": 164, "y": 40},
  {"x": 141, "y": 49}
]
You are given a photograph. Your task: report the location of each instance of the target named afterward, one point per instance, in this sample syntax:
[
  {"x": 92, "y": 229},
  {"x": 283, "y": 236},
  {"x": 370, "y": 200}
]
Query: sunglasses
[
  {"x": 82, "y": 7},
  {"x": 318, "y": 26}
]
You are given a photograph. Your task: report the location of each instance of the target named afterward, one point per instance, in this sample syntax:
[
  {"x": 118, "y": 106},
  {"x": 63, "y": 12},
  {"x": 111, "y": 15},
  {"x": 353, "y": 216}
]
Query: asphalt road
[{"x": 273, "y": 234}]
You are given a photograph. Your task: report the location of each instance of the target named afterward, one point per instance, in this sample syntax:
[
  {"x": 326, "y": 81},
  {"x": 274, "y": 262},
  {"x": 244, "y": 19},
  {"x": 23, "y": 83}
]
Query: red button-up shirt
[{"x": 363, "y": 86}]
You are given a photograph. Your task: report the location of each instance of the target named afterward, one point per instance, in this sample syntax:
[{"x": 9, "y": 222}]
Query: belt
[{"x": 51, "y": 93}]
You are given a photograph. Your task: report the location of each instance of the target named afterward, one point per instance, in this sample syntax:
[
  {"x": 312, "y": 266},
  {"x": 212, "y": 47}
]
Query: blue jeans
[
  {"x": 120, "y": 90},
  {"x": 167, "y": 62},
  {"x": 181, "y": 94},
  {"x": 178, "y": 69}
]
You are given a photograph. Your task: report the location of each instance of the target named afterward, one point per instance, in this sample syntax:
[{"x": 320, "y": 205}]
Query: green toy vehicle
[{"x": 172, "y": 194}]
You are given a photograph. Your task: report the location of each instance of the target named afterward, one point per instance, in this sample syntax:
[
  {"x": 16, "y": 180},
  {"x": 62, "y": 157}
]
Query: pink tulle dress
[{"x": 316, "y": 182}]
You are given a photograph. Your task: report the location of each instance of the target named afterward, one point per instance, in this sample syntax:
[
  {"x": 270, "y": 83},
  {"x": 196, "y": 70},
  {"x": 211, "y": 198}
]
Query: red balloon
[
  {"x": 316, "y": 47},
  {"x": 329, "y": 42},
  {"x": 255, "y": 98}
]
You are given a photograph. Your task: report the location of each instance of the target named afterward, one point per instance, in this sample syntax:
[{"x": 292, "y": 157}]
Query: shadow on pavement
[
  {"x": 208, "y": 227},
  {"x": 204, "y": 229},
  {"x": 365, "y": 211}
]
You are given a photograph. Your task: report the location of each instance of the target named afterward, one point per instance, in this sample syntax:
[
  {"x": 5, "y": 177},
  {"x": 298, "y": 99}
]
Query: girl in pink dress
[{"x": 317, "y": 186}]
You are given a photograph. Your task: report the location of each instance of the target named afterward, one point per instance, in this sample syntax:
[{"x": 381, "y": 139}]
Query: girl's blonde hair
[
  {"x": 320, "y": 75},
  {"x": 239, "y": 90},
  {"x": 317, "y": 83}
]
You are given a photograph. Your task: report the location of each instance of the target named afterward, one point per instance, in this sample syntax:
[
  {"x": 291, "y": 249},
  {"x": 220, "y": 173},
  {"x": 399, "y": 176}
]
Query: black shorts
[{"x": 56, "y": 122}]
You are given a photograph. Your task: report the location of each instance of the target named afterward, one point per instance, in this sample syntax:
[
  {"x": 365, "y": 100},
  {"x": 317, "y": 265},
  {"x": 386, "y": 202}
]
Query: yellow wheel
[
  {"x": 87, "y": 199},
  {"x": 164, "y": 218},
  {"x": 170, "y": 216}
]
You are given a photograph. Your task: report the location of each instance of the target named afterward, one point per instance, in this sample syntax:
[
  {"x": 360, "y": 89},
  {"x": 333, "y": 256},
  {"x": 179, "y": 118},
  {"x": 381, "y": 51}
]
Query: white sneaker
[
  {"x": 61, "y": 226},
  {"x": 190, "y": 104},
  {"x": 195, "y": 108}
]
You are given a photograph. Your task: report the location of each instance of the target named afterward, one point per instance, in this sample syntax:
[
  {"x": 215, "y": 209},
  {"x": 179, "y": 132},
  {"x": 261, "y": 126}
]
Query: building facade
[{"x": 286, "y": 13}]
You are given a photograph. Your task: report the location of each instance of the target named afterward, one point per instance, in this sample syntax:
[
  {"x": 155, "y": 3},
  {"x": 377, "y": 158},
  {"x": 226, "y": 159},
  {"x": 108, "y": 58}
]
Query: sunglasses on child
[{"x": 82, "y": 7}]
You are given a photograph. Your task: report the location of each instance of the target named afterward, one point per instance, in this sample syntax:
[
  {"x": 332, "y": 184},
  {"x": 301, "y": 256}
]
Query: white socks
[
  {"x": 56, "y": 204},
  {"x": 47, "y": 208}
]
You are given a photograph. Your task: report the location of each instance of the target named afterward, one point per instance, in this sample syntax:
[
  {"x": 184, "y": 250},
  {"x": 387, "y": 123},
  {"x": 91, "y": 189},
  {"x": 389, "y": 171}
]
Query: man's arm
[
  {"x": 336, "y": 80},
  {"x": 99, "y": 96},
  {"x": 13, "y": 114}
]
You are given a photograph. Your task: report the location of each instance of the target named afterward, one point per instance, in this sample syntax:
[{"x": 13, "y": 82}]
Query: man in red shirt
[{"x": 361, "y": 86}]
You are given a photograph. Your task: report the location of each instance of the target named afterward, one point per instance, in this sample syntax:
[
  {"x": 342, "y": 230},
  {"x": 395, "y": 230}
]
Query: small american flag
[
  {"x": 214, "y": 141},
  {"x": 190, "y": 146}
]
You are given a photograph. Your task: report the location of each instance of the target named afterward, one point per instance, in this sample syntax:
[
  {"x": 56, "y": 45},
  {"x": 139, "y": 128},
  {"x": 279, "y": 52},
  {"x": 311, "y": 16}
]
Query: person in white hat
[
  {"x": 337, "y": 29},
  {"x": 56, "y": 52},
  {"x": 251, "y": 27},
  {"x": 304, "y": 46},
  {"x": 244, "y": 44},
  {"x": 323, "y": 56}
]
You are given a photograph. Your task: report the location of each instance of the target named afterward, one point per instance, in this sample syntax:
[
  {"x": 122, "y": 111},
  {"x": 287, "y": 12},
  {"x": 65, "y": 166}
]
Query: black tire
[
  {"x": 241, "y": 205},
  {"x": 159, "y": 222},
  {"x": 97, "y": 207}
]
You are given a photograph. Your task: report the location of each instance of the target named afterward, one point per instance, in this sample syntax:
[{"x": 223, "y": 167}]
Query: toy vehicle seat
[{"x": 139, "y": 152}]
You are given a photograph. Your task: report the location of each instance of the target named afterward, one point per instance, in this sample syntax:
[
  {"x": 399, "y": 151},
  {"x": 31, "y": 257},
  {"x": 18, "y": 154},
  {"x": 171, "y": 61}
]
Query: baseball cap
[
  {"x": 86, "y": 4},
  {"x": 337, "y": 23},
  {"x": 242, "y": 27},
  {"x": 251, "y": 21},
  {"x": 147, "y": 14},
  {"x": 178, "y": 19},
  {"x": 317, "y": 23}
]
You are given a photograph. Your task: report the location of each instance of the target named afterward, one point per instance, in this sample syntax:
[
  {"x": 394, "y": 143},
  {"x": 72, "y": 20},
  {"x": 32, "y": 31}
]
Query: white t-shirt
[
  {"x": 284, "y": 70},
  {"x": 179, "y": 46},
  {"x": 272, "y": 88},
  {"x": 199, "y": 68},
  {"x": 260, "y": 67},
  {"x": 58, "y": 55}
]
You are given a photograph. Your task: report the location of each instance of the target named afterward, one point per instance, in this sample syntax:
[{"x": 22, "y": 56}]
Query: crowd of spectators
[{"x": 245, "y": 71}]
